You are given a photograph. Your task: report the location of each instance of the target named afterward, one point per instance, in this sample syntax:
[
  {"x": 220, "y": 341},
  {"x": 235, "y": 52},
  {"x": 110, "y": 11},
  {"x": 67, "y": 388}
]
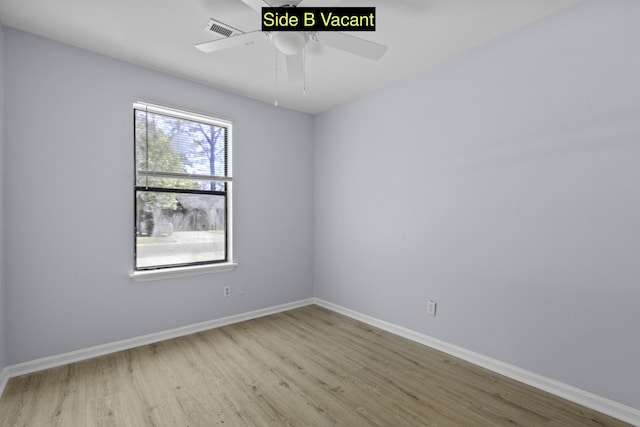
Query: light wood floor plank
[{"x": 304, "y": 367}]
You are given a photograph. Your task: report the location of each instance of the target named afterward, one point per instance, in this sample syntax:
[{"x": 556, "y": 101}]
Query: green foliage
[{"x": 154, "y": 154}]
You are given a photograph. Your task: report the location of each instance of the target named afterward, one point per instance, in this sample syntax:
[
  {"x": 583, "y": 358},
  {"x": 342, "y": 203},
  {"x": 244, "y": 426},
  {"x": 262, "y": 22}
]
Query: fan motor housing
[
  {"x": 284, "y": 3},
  {"x": 289, "y": 42}
]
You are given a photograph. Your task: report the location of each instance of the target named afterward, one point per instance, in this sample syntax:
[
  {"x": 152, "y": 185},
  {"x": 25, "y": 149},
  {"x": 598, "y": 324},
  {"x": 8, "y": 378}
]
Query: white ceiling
[{"x": 161, "y": 34}]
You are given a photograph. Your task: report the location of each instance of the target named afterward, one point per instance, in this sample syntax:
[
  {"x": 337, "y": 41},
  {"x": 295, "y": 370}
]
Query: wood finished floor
[{"x": 304, "y": 367}]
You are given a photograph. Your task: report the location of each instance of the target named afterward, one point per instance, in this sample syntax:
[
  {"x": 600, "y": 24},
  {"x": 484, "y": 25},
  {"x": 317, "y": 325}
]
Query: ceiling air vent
[{"x": 221, "y": 29}]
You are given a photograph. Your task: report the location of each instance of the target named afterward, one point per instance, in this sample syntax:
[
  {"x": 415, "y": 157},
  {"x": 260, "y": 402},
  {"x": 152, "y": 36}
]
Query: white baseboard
[
  {"x": 100, "y": 350},
  {"x": 4, "y": 378},
  {"x": 565, "y": 391}
]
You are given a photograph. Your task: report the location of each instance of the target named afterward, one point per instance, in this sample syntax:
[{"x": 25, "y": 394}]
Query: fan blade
[
  {"x": 318, "y": 3},
  {"x": 352, "y": 44},
  {"x": 240, "y": 39},
  {"x": 295, "y": 67},
  {"x": 256, "y": 5}
]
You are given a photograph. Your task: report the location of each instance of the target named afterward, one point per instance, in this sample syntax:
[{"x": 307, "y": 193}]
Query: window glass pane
[
  {"x": 178, "y": 229},
  {"x": 169, "y": 144}
]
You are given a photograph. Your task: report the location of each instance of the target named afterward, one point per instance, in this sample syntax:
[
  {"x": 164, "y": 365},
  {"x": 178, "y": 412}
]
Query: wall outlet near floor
[
  {"x": 227, "y": 291},
  {"x": 431, "y": 307},
  {"x": 242, "y": 289}
]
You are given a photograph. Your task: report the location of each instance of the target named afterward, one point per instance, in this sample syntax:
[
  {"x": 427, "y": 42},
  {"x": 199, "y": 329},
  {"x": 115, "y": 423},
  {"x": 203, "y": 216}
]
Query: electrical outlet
[
  {"x": 242, "y": 289},
  {"x": 227, "y": 291},
  {"x": 431, "y": 307}
]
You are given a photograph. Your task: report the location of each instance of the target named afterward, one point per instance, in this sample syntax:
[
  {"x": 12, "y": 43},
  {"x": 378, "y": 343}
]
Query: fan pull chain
[
  {"x": 304, "y": 71},
  {"x": 276, "y": 101}
]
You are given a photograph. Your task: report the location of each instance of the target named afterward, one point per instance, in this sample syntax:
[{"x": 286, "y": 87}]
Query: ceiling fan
[{"x": 291, "y": 43}]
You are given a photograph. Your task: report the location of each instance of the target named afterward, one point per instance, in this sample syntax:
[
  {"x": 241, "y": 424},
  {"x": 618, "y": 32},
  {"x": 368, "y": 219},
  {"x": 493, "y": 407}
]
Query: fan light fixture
[{"x": 289, "y": 42}]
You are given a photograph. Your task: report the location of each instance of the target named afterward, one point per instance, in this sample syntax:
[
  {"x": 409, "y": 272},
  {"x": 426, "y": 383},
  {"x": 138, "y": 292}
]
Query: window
[{"x": 182, "y": 188}]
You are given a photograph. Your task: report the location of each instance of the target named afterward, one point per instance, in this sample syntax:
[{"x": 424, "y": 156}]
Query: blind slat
[{"x": 143, "y": 173}]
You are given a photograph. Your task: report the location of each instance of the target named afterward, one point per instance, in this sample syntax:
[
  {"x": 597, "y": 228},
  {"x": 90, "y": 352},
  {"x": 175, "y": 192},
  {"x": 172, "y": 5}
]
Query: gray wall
[
  {"x": 69, "y": 202},
  {"x": 504, "y": 185},
  {"x": 3, "y": 305}
]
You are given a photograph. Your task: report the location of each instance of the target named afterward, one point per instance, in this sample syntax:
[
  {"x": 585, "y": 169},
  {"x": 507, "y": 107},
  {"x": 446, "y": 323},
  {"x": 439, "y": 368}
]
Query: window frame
[{"x": 198, "y": 267}]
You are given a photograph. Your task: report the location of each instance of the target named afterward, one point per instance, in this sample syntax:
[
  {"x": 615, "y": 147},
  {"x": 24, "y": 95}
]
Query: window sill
[{"x": 170, "y": 273}]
